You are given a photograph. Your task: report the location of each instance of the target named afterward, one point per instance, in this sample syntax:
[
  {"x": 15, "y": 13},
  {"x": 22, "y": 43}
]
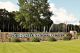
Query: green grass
[{"x": 72, "y": 46}]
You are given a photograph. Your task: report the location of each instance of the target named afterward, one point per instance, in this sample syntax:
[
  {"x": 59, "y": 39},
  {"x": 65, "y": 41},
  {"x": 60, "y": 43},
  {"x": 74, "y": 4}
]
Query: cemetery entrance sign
[{"x": 6, "y": 36}]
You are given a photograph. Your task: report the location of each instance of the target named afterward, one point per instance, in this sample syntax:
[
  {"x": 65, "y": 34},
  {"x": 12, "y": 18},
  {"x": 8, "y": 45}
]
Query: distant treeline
[
  {"x": 9, "y": 24},
  {"x": 62, "y": 27}
]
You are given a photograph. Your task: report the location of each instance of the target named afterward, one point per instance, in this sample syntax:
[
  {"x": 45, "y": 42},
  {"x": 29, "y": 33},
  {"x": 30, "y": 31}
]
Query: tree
[
  {"x": 33, "y": 14},
  {"x": 7, "y": 20},
  {"x": 70, "y": 27},
  {"x": 76, "y": 28},
  {"x": 12, "y": 24},
  {"x": 62, "y": 27},
  {"x": 3, "y": 18}
]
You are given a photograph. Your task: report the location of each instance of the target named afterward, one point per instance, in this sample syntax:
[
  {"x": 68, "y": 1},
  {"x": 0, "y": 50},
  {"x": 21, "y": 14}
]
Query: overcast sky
[{"x": 65, "y": 11}]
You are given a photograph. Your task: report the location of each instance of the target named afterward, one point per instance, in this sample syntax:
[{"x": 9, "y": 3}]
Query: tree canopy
[{"x": 33, "y": 14}]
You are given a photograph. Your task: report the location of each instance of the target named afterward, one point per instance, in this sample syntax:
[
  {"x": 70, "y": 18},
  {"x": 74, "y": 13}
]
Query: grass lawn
[{"x": 72, "y": 46}]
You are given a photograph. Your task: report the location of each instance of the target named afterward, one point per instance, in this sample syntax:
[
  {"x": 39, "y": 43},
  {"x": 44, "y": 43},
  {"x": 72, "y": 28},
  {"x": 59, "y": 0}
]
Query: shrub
[
  {"x": 16, "y": 40},
  {"x": 52, "y": 39},
  {"x": 35, "y": 39},
  {"x": 68, "y": 36}
]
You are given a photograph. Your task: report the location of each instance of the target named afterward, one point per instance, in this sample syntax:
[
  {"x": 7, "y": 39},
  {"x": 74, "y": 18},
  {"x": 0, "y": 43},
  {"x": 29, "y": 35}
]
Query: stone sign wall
[{"x": 6, "y": 36}]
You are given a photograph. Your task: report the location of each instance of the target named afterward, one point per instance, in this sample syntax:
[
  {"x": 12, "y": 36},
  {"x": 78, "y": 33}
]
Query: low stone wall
[{"x": 6, "y": 36}]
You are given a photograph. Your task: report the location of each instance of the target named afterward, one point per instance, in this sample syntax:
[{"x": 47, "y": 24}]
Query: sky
[{"x": 65, "y": 11}]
